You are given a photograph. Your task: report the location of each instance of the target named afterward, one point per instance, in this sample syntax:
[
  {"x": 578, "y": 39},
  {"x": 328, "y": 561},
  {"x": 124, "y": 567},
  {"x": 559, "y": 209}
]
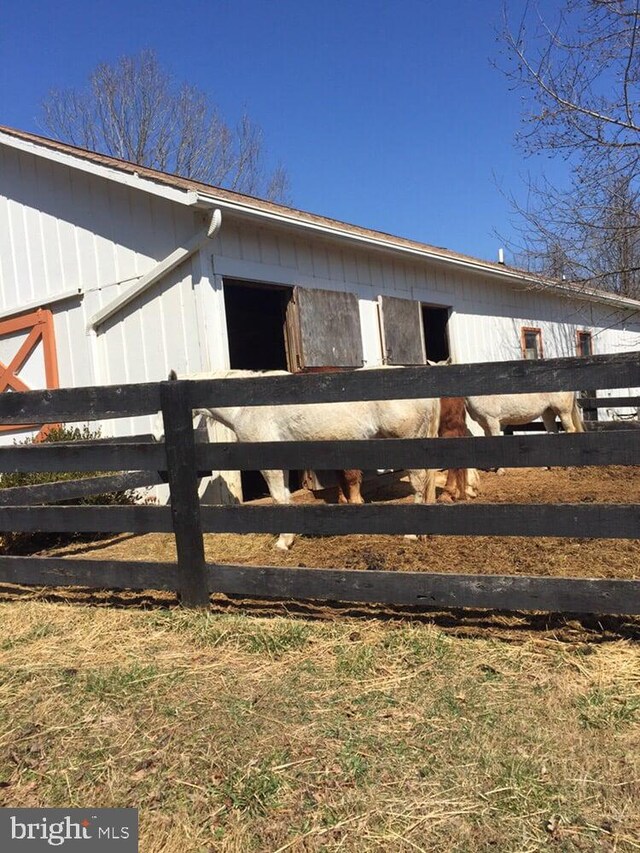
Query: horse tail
[
  {"x": 576, "y": 415},
  {"x": 434, "y": 427}
]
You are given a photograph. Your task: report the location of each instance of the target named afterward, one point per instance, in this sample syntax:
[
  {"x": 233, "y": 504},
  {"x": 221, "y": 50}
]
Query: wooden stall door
[
  {"x": 33, "y": 330},
  {"x": 402, "y": 331},
  {"x": 323, "y": 329},
  {"x": 322, "y": 333}
]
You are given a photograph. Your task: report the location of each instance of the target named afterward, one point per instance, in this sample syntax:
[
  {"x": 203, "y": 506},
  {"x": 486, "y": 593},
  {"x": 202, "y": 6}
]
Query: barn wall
[
  {"x": 487, "y": 316},
  {"x": 62, "y": 230}
]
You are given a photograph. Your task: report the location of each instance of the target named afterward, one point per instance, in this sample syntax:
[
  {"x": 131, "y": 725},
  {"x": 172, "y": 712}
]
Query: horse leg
[
  {"x": 462, "y": 483},
  {"x": 491, "y": 426},
  {"x": 423, "y": 481},
  {"x": 457, "y": 487},
  {"x": 448, "y": 493},
  {"x": 343, "y": 488},
  {"x": 567, "y": 422},
  {"x": 278, "y": 485},
  {"x": 473, "y": 483},
  {"x": 551, "y": 426},
  {"x": 349, "y": 486}
]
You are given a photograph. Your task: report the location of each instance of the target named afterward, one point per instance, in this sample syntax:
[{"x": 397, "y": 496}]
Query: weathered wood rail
[
  {"x": 183, "y": 461},
  {"x": 609, "y": 402}
]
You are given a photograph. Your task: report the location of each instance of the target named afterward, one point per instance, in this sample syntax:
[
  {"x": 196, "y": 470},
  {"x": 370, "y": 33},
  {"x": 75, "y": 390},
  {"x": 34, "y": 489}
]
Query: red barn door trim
[{"x": 39, "y": 325}]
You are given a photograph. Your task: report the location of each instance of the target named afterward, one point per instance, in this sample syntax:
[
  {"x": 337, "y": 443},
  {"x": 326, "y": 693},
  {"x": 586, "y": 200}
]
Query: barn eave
[
  {"x": 258, "y": 211},
  {"x": 387, "y": 244}
]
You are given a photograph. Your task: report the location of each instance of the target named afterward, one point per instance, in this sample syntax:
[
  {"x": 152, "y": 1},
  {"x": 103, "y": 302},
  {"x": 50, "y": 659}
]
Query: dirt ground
[{"x": 471, "y": 554}]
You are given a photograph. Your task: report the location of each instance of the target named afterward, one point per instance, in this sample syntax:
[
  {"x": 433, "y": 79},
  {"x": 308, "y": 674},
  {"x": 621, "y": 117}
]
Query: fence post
[{"x": 185, "y": 504}]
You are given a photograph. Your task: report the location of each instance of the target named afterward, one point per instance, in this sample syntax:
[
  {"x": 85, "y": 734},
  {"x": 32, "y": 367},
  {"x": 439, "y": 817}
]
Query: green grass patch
[{"x": 601, "y": 709}]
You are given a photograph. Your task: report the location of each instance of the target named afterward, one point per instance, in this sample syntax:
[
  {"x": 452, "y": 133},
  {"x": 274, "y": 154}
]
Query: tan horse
[
  {"x": 494, "y": 411},
  {"x": 326, "y": 421}
]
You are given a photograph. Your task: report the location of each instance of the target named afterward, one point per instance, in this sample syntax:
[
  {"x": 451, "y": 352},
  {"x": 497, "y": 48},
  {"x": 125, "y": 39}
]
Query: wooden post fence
[{"x": 147, "y": 461}]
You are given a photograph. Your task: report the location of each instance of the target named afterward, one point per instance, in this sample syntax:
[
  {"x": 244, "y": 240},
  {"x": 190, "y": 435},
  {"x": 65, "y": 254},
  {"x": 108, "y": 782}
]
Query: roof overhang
[
  {"x": 386, "y": 243},
  {"x": 181, "y": 196},
  {"x": 258, "y": 212}
]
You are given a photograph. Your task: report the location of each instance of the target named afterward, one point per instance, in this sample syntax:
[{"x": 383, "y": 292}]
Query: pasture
[{"x": 319, "y": 729}]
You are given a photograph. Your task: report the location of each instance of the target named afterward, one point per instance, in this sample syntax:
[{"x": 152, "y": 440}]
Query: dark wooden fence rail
[
  {"x": 183, "y": 460},
  {"x": 607, "y": 521},
  {"x": 553, "y": 374},
  {"x": 609, "y": 402},
  {"x": 522, "y": 451}
]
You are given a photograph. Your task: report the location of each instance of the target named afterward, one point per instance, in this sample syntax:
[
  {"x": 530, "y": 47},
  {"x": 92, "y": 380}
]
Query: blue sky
[{"x": 385, "y": 114}]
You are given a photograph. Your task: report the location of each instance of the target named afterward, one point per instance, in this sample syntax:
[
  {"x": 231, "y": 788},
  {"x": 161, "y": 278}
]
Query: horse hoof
[
  {"x": 445, "y": 498},
  {"x": 411, "y": 536}
]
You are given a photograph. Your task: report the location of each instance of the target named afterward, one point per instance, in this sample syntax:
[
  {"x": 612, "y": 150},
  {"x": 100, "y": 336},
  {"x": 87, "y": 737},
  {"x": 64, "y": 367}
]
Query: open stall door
[
  {"x": 401, "y": 330},
  {"x": 323, "y": 330},
  {"x": 323, "y": 333}
]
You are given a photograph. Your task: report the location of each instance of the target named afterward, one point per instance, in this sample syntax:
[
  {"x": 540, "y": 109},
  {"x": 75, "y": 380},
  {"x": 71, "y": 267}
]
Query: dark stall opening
[
  {"x": 256, "y": 325},
  {"x": 436, "y": 336}
]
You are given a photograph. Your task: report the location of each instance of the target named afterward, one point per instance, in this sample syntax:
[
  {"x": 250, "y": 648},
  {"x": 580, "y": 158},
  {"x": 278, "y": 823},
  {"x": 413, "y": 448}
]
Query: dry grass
[{"x": 232, "y": 733}]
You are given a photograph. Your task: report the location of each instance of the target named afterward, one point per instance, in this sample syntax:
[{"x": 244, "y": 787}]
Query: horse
[
  {"x": 494, "y": 411},
  {"x": 461, "y": 482},
  {"x": 417, "y": 418}
]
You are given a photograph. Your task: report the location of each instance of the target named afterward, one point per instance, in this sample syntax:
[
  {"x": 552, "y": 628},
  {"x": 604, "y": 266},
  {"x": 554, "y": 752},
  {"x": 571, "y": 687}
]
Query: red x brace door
[{"x": 38, "y": 326}]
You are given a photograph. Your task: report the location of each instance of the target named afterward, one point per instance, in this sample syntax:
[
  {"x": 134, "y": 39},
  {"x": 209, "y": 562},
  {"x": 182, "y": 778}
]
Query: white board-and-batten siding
[
  {"x": 83, "y": 239},
  {"x": 487, "y": 315},
  {"x": 68, "y": 233}
]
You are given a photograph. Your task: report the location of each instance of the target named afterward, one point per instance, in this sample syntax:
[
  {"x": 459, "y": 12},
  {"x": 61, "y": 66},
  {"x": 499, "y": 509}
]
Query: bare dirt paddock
[
  {"x": 470, "y": 554},
  {"x": 473, "y": 555}
]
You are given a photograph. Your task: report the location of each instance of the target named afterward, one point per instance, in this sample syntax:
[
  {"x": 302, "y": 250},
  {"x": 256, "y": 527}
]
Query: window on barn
[
  {"x": 255, "y": 315},
  {"x": 585, "y": 343},
  {"x": 531, "y": 341},
  {"x": 435, "y": 322}
]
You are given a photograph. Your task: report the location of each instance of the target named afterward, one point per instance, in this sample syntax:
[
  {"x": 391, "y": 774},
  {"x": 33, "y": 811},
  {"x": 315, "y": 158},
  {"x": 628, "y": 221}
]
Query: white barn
[{"x": 114, "y": 273}]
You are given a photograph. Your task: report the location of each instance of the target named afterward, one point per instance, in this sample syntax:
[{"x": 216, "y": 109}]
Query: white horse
[
  {"x": 326, "y": 421},
  {"x": 494, "y": 411}
]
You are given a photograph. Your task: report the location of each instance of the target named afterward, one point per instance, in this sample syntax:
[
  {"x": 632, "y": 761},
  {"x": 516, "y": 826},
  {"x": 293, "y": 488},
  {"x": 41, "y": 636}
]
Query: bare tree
[
  {"x": 580, "y": 79},
  {"x": 136, "y": 111}
]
